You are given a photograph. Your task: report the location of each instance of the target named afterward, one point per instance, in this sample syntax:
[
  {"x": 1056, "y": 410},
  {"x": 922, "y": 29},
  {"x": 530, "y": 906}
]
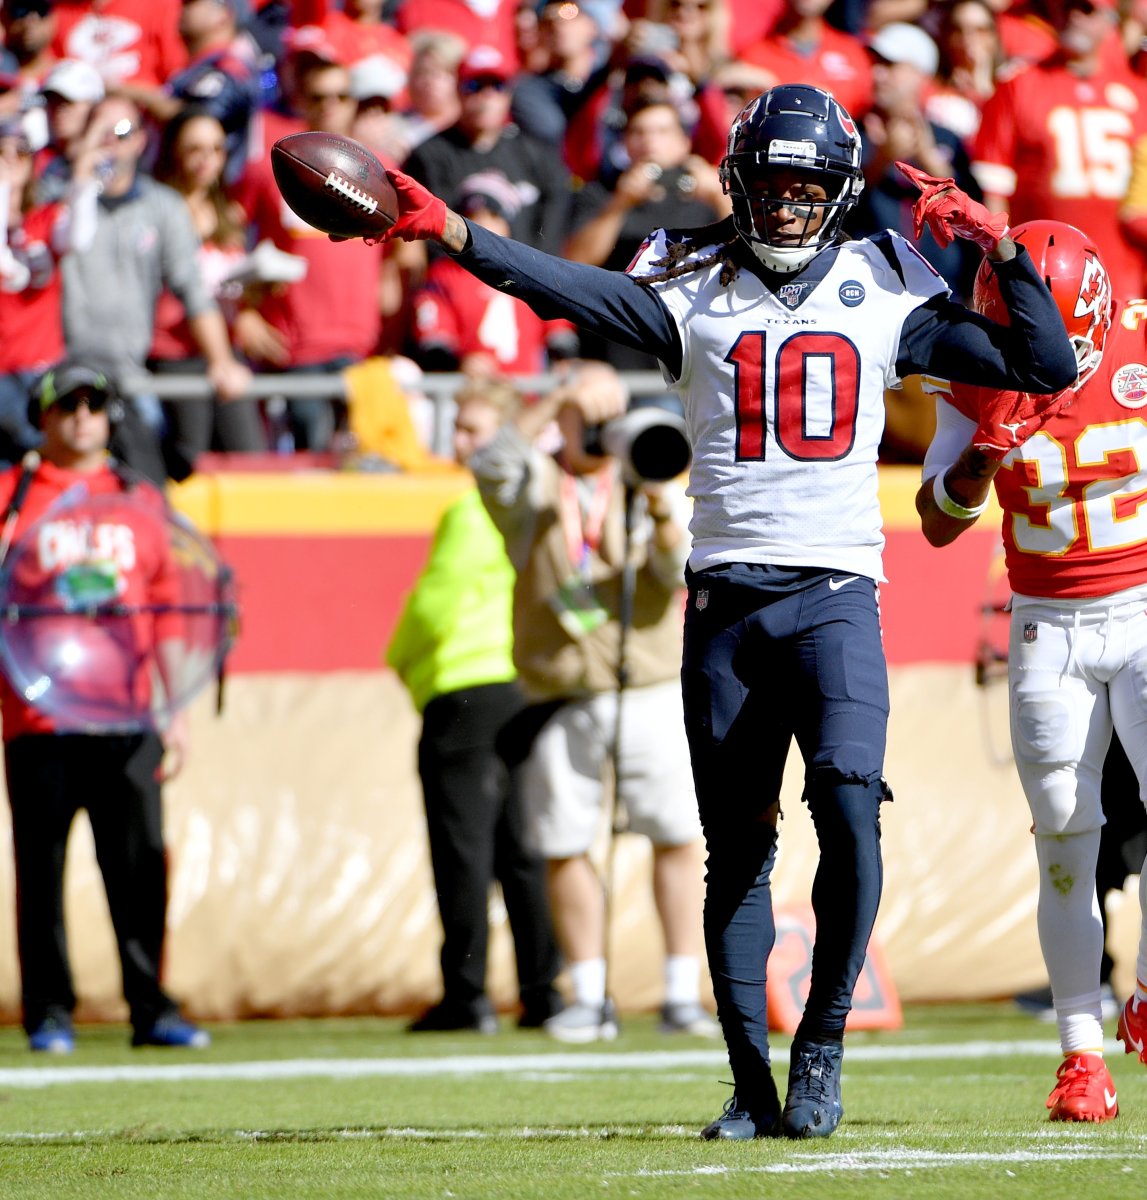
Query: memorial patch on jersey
[
  {"x": 851, "y": 293},
  {"x": 1129, "y": 385}
]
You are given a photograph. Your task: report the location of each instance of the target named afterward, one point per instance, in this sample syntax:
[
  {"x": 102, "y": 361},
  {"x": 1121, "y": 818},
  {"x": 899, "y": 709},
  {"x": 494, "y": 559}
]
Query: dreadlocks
[{"x": 677, "y": 259}]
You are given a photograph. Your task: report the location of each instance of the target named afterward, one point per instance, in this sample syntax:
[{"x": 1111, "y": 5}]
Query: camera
[{"x": 650, "y": 443}]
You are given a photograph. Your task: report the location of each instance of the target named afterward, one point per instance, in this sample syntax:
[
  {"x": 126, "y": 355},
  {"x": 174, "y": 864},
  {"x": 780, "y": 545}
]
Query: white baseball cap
[
  {"x": 904, "y": 43},
  {"x": 75, "y": 80},
  {"x": 376, "y": 76}
]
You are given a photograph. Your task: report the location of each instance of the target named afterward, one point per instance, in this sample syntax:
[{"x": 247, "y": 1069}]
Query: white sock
[
  {"x": 587, "y": 978},
  {"x": 1141, "y": 965},
  {"x": 682, "y": 979},
  {"x": 1071, "y": 936}
]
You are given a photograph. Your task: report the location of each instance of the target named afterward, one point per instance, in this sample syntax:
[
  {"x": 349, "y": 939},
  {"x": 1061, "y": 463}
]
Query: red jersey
[
  {"x": 479, "y": 22},
  {"x": 127, "y": 41},
  {"x": 355, "y": 41},
  {"x": 839, "y": 64},
  {"x": 1075, "y": 494},
  {"x": 126, "y": 553},
  {"x": 463, "y": 315},
  {"x": 31, "y": 319},
  {"x": 1071, "y": 141}
]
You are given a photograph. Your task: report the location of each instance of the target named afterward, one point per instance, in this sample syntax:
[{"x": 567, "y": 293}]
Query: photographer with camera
[
  {"x": 665, "y": 186},
  {"x": 590, "y": 637}
]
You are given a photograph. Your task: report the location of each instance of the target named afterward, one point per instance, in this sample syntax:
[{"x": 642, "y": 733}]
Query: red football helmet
[{"x": 1070, "y": 264}]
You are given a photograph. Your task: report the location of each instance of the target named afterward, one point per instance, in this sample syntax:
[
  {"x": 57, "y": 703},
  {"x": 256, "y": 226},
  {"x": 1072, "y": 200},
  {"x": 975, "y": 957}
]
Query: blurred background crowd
[{"x": 144, "y": 226}]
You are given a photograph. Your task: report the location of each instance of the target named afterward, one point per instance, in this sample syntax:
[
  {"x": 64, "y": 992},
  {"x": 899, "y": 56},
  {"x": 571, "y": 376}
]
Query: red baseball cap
[{"x": 485, "y": 62}]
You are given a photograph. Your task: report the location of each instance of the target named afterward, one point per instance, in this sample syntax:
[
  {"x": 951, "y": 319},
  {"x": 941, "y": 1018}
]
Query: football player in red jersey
[
  {"x": 1059, "y": 137},
  {"x": 1072, "y": 482}
]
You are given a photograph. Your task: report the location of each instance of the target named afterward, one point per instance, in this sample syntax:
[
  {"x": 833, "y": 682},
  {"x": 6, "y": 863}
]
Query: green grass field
[{"x": 950, "y": 1106}]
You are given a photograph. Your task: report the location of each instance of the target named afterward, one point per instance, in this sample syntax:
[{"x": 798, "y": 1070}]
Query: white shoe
[
  {"x": 688, "y": 1018},
  {"x": 581, "y": 1023}
]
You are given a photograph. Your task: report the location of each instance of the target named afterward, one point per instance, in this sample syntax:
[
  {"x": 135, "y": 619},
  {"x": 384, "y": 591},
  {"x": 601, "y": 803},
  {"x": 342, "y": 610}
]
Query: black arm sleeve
[
  {"x": 609, "y": 303},
  {"x": 1032, "y": 354}
]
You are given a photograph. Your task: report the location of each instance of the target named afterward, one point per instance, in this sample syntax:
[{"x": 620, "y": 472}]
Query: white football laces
[{"x": 348, "y": 191}]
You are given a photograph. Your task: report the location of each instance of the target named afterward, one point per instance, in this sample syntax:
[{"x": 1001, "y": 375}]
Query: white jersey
[{"x": 783, "y": 395}]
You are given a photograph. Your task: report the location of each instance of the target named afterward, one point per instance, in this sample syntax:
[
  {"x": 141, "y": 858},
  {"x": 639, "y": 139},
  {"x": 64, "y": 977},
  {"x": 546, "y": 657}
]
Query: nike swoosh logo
[
  {"x": 1108, "y": 1098},
  {"x": 834, "y": 585},
  {"x": 1137, "y": 1044}
]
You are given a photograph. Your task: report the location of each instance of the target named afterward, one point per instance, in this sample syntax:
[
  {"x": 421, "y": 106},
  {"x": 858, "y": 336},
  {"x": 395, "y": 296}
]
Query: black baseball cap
[{"x": 63, "y": 380}]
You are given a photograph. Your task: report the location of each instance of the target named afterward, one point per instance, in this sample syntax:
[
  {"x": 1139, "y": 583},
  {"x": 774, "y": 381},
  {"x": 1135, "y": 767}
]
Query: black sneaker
[
  {"x": 812, "y": 1105},
  {"x": 448, "y": 1017},
  {"x": 738, "y": 1124}
]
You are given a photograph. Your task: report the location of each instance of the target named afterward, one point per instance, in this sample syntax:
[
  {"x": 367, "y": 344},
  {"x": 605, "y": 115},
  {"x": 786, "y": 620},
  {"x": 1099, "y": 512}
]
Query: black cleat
[
  {"x": 812, "y": 1106},
  {"x": 447, "y": 1017},
  {"x": 739, "y": 1123}
]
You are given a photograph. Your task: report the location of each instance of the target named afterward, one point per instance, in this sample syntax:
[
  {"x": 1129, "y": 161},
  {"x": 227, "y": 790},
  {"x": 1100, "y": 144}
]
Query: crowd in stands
[{"x": 144, "y": 225}]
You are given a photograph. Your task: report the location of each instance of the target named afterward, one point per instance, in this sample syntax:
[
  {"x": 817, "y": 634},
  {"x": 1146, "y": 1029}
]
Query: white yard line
[{"x": 50, "y": 1075}]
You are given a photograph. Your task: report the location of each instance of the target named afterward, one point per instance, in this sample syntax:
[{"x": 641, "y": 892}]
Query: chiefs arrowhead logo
[{"x": 1093, "y": 288}]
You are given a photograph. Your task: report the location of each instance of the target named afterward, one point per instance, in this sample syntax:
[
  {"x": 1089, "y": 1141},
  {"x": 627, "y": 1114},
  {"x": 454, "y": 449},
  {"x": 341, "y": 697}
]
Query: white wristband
[{"x": 949, "y": 507}]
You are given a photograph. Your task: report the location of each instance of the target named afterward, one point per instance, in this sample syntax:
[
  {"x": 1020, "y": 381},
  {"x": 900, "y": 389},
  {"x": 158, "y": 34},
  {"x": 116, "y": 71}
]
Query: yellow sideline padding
[{"x": 300, "y": 882}]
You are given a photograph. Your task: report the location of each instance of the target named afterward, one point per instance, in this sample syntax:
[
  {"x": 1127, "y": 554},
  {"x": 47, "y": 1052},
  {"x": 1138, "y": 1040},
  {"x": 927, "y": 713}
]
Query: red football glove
[
  {"x": 1008, "y": 419},
  {"x": 950, "y": 213},
  {"x": 421, "y": 215}
]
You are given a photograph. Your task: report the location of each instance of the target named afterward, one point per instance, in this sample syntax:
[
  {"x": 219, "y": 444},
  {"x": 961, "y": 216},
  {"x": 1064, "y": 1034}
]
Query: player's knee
[
  {"x": 1043, "y": 731},
  {"x": 845, "y": 802}
]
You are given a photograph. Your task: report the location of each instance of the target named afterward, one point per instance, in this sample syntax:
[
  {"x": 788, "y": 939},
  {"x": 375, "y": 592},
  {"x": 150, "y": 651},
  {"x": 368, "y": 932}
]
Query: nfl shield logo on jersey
[
  {"x": 791, "y": 293},
  {"x": 701, "y": 602},
  {"x": 1031, "y": 631}
]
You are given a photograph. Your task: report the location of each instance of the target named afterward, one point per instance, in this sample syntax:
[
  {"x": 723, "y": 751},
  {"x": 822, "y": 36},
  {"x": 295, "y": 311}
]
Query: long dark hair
[{"x": 229, "y": 226}]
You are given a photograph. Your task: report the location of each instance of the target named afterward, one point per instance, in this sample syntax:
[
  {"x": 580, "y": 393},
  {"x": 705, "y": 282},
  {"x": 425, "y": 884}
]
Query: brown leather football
[{"x": 334, "y": 184}]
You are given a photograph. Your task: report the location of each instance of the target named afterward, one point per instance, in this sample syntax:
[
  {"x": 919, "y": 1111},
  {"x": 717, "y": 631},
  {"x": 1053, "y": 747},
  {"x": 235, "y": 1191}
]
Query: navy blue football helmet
[{"x": 797, "y": 128}]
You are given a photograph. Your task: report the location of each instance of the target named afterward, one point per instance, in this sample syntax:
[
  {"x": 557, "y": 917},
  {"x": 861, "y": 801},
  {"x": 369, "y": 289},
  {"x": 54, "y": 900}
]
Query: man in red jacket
[{"x": 56, "y": 765}]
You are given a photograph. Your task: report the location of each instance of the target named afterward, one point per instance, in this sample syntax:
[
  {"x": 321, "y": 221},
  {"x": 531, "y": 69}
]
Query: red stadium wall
[{"x": 322, "y": 562}]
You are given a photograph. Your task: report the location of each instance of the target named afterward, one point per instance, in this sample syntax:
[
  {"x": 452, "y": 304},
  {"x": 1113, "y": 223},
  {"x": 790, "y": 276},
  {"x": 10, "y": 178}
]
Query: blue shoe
[
  {"x": 52, "y": 1036},
  {"x": 738, "y": 1124},
  {"x": 812, "y": 1106},
  {"x": 172, "y": 1030}
]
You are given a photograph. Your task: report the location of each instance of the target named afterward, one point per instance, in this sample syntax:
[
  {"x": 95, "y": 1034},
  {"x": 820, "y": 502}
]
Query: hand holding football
[{"x": 335, "y": 184}]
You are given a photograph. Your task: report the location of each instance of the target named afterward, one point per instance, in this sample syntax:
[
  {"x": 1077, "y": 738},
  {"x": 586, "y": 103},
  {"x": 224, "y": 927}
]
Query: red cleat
[
  {"x": 1084, "y": 1091},
  {"x": 1132, "y": 1031}
]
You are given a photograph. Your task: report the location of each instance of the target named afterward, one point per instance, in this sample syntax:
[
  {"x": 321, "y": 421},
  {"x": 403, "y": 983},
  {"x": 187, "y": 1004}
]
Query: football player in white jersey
[
  {"x": 780, "y": 336},
  {"x": 1071, "y": 482}
]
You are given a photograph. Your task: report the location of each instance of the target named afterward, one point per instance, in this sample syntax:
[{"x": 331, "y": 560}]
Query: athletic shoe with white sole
[
  {"x": 688, "y": 1018},
  {"x": 52, "y": 1036},
  {"x": 812, "y": 1104},
  {"x": 584, "y": 1023},
  {"x": 1132, "y": 1030},
  {"x": 173, "y": 1031},
  {"x": 1084, "y": 1090}
]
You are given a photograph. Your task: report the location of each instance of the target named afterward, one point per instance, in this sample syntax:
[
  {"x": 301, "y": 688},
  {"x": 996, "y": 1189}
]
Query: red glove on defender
[
  {"x": 1008, "y": 419},
  {"x": 950, "y": 213},
  {"x": 421, "y": 215}
]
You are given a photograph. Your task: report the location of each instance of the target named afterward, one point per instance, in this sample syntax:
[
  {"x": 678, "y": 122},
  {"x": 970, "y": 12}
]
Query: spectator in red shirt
[
  {"x": 36, "y": 236},
  {"x": 333, "y": 318},
  {"x": 463, "y": 324},
  {"x": 1059, "y": 137},
  {"x": 359, "y": 30},
  {"x": 70, "y": 91},
  {"x": 804, "y": 48},
  {"x": 127, "y": 41}
]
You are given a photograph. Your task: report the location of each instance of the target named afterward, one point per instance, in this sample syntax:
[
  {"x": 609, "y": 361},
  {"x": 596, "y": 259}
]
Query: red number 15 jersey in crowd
[
  {"x": 1060, "y": 147},
  {"x": 1075, "y": 494}
]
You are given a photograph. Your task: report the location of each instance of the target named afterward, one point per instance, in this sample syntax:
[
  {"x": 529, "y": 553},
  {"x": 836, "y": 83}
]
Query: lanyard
[{"x": 584, "y": 535}]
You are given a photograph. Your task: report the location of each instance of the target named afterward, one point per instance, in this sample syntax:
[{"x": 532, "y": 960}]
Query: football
[{"x": 334, "y": 184}]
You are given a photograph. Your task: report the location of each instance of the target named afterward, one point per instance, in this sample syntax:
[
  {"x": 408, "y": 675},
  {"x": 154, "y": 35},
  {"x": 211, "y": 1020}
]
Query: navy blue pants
[{"x": 773, "y": 653}]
